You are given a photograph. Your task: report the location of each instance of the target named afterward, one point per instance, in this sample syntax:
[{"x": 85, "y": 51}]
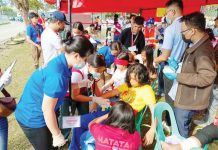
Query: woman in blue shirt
[
  {"x": 44, "y": 93},
  {"x": 110, "y": 52}
]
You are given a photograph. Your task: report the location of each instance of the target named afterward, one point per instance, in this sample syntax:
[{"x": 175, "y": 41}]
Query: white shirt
[
  {"x": 51, "y": 45},
  {"x": 77, "y": 77},
  {"x": 119, "y": 77},
  {"x": 139, "y": 57}
]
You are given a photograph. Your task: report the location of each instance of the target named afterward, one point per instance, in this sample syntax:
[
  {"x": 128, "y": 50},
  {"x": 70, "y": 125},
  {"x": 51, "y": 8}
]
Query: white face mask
[{"x": 95, "y": 75}]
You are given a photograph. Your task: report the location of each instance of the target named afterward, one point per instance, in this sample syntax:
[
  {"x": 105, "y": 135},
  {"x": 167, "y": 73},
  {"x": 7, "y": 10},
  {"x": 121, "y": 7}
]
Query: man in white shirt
[{"x": 50, "y": 39}]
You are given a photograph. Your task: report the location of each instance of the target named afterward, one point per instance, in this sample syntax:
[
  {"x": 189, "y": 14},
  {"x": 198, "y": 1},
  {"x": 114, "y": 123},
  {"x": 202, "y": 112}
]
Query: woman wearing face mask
[
  {"x": 79, "y": 98},
  {"x": 77, "y": 29},
  {"x": 93, "y": 69},
  {"x": 44, "y": 93}
]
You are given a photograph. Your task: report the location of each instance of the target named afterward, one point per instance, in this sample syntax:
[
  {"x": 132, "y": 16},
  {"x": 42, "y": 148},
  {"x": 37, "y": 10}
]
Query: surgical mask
[
  {"x": 168, "y": 20},
  {"x": 79, "y": 66},
  {"x": 215, "y": 32},
  {"x": 186, "y": 40},
  {"x": 95, "y": 75}
]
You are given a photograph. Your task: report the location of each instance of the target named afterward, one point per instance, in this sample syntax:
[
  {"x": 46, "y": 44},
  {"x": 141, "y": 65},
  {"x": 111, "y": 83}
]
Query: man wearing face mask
[
  {"x": 173, "y": 45},
  {"x": 50, "y": 39},
  {"x": 215, "y": 30},
  {"x": 195, "y": 81},
  {"x": 133, "y": 38}
]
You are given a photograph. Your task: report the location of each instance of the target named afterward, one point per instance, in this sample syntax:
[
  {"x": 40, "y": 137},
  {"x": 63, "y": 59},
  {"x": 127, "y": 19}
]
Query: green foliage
[
  {"x": 35, "y": 5},
  {"x": 8, "y": 11}
]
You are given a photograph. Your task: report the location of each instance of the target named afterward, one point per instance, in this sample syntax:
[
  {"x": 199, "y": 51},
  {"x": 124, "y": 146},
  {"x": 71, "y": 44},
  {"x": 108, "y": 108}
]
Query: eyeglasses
[{"x": 185, "y": 30}]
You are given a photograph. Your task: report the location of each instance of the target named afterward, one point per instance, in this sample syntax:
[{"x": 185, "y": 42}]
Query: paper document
[
  {"x": 132, "y": 49},
  {"x": 71, "y": 122},
  {"x": 6, "y": 73}
]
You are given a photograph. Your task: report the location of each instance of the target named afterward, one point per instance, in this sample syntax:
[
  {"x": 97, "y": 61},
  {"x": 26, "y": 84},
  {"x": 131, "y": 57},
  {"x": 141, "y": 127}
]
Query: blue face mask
[
  {"x": 168, "y": 20},
  {"x": 215, "y": 32},
  {"x": 79, "y": 66},
  {"x": 95, "y": 75}
]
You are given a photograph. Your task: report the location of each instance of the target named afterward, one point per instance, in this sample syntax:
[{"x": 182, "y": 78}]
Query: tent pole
[{"x": 70, "y": 14}]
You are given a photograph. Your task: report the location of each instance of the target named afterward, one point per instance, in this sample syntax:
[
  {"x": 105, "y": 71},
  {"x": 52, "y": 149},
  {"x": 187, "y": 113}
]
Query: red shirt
[
  {"x": 110, "y": 138},
  {"x": 117, "y": 28}
]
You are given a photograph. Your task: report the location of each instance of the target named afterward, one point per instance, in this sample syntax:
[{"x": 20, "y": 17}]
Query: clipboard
[{"x": 6, "y": 73}]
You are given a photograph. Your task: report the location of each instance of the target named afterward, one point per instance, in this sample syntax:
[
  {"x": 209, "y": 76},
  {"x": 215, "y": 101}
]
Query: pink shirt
[{"x": 110, "y": 138}]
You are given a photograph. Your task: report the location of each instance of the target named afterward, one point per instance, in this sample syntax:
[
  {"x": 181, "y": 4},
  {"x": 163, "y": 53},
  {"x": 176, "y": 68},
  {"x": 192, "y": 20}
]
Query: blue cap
[
  {"x": 60, "y": 16},
  {"x": 150, "y": 21}
]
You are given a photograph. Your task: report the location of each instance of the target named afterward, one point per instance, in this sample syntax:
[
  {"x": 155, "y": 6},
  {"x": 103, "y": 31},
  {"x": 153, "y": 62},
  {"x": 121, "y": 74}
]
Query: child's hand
[
  {"x": 149, "y": 137},
  {"x": 93, "y": 107}
]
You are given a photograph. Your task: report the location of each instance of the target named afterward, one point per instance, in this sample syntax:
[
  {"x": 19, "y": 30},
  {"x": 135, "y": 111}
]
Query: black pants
[
  {"x": 40, "y": 138},
  {"x": 207, "y": 134},
  {"x": 167, "y": 86}
]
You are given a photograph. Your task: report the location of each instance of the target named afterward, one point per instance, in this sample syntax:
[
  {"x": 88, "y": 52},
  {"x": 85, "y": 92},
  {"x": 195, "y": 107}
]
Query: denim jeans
[
  {"x": 40, "y": 138},
  {"x": 183, "y": 120},
  {"x": 77, "y": 132},
  {"x": 3, "y": 133}
]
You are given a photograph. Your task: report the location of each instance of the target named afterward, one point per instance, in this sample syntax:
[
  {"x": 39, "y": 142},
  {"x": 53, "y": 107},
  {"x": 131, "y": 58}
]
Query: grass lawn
[{"x": 21, "y": 72}]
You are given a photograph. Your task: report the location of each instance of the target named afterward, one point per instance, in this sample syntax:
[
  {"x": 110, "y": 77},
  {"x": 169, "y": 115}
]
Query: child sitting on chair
[
  {"x": 118, "y": 78},
  {"x": 136, "y": 91}
]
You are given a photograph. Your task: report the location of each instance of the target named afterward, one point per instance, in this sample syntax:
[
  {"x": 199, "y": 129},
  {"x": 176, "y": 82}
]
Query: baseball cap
[{"x": 60, "y": 16}]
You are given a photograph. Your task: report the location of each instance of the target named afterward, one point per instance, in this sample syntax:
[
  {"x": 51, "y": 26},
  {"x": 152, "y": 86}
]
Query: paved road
[{"x": 9, "y": 30}]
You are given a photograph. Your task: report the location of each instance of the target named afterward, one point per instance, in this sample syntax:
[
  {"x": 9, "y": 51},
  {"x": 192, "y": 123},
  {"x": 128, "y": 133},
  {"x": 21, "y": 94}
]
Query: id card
[
  {"x": 132, "y": 49},
  {"x": 71, "y": 122}
]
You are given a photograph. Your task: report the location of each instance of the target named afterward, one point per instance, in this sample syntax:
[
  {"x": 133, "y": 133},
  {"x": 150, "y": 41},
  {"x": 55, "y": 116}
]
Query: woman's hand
[{"x": 149, "y": 137}]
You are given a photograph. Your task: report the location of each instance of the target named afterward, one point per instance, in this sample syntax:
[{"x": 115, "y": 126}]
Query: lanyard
[{"x": 133, "y": 41}]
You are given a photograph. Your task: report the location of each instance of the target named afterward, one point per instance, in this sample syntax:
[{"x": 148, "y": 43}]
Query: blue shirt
[
  {"x": 52, "y": 81},
  {"x": 34, "y": 32},
  {"x": 106, "y": 52},
  {"x": 173, "y": 40}
]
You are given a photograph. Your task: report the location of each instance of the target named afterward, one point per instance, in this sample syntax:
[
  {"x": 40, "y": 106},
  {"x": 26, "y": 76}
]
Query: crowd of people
[{"x": 108, "y": 86}]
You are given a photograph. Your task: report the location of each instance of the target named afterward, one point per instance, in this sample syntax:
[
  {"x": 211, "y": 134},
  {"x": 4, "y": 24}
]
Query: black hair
[
  {"x": 116, "y": 16},
  {"x": 86, "y": 32},
  {"x": 123, "y": 56},
  {"x": 139, "y": 20},
  {"x": 79, "y": 44},
  {"x": 216, "y": 18},
  {"x": 96, "y": 60},
  {"x": 149, "y": 51},
  {"x": 140, "y": 72},
  {"x": 195, "y": 20},
  {"x": 178, "y": 3},
  {"x": 122, "y": 116},
  {"x": 92, "y": 25},
  {"x": 33, "y": 15},
  {"x": 116, "y": 45},
  {"x": 209, "y": 31},
  {"x": 132, "y": 15},
  {"x": 78, "y": 25}
]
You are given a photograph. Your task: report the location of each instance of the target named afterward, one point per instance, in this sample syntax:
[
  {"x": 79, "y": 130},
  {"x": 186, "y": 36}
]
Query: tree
[
  {"x": 23, "y": 8},
  {"x": 5, "y": 10},
  {"x": 35, "y": 5}
]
